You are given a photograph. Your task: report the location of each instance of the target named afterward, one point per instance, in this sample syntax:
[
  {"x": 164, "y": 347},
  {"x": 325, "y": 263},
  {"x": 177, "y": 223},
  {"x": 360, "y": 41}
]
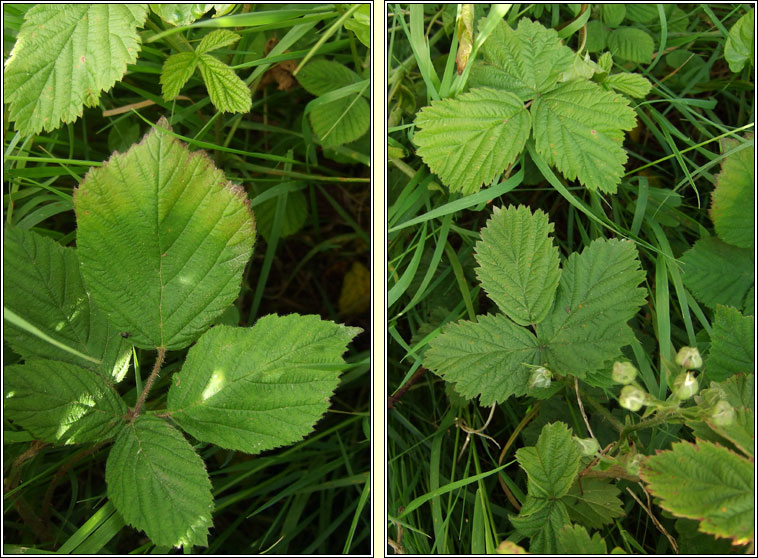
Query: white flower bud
[
  {"x": 689, "y": 357},
  {"x": 589, "y": 446},
  {"x": 685, "y": 385},
  {"x": 540, "y": 378},
  {"x": 722, "y": 414},
  {"x": 624, "y": 372},
  {"x": 633, "y": 466},
  {"x": 632, "y": 398}
]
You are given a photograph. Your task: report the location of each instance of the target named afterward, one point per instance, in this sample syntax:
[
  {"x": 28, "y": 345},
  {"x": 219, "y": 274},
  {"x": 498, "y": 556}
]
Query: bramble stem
[{"x": 153, "y": 375}]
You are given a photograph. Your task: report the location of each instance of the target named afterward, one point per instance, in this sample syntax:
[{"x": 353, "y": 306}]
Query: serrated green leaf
[
  {"x": 613, "y": 14},
  {"x": 176, "y": 72},
  {"x": 573, "y": 540},
  {"x": 641, "y": 13},
  {"x": 218, "y": 38},
  {"x": 707, "y": 482},
  {"x": 739, "y": 390},
  {"x": 633, "y": 85},
  {"x": 733, "y": 200},
  {"x": 471, "y": 139},
  {"x": 740, "y": 44},
  {"x": 541, "y": 520},
  {"x": 717, "y": 272},
  {"x": 180, "y": 14},
  {"x": 159, "y": 484},
  {"x": 485, "y": 358},
  {"x": 526, "y": 62},
  {"x": 295, "y": 212},
  {"x": 597, "y": 36},
  {"x": 552, "y": 465},
  {"x": 44, "y": 287},
  {"x": 598, "y": 294},
  {"x": 749, "y": 306},
  {"x": 632, "y": 44},
  {"x": 595, "y": 503},
  {"x": 340, "y": 121},
  {"x": 732, "y": 348},
  {"x": 227, "y": 91},
  {"x": 741, "y": 432},
  {"x": 518, "y": 263},
  {"x": 163, "y": 239},
  {"x": 578, "y": 129},
  {"x": 64, "y": 56},
  {"x": 253, "y": 389},
  {"x": 60, "y": 402}
]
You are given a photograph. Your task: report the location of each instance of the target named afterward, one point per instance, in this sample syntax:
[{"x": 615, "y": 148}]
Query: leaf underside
[
  {"x": 60, "y": 402},
  {"x": 43, "y": 286},
  {"x": 163, "y": 239},
  {"x": 64, "y": 57},
  {"x": 484, "y": 358},
  {"x": 720, "y": 487},
  {"x": 578, "y": 129},
  {"x": 518, "y": 263},
  {"x": 253, "y": 389},
  {"x": 469, "y": 140},
  {"x": 159, "y": 484}
]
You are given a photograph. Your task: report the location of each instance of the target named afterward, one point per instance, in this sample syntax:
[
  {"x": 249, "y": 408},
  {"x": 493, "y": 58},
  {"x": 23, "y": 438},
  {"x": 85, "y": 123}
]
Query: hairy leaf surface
[
  {"x": 227, "y": 91},
  {"x": 553, "y": 464},
  {"x": 518, "y": 263},
  {"x": 526, "y": 62},
  {"x": 718, "y": 273},
  {"x": 485, "y": 358},
  {"x": 597, "y": 296},
  {"x": 720, "y": 487},
  {"x": 64, "y": 56},
  {"x": 578, "y": 129},
  {"x": 733, "y": 200},
  {"x": 60, "y": 402},
  {"x": 344, "y": 119},
  {"x": 471, "y": 139},
  {"x": 732, "y": 347},
  {"x": 253, "y": 389},
  {"x": 159, "y": 484},
  {"x": 163, "y": 239},
  {"x": 44, "y": 287}
]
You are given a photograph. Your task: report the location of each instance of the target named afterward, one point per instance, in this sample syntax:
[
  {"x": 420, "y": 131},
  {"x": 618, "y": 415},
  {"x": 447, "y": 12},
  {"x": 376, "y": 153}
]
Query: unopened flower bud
[
  {"x": 633, "y": 466},
  {"x": 689, "y": 357},
  {"x": 632, "y": 398},
  {"x": 589, "y": 446},
  {"x": 685, "y": 385},
  {"x": 722, "y": 414},
  {"x": 624, "y": 372},
  {"x": 540, "y": 378}
]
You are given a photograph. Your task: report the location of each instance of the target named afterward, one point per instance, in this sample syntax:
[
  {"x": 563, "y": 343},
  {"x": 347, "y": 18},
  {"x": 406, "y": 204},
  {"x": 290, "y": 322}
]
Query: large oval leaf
[
  {"x": 253, "y": 389},
  {"x": 163, "y": 239}
]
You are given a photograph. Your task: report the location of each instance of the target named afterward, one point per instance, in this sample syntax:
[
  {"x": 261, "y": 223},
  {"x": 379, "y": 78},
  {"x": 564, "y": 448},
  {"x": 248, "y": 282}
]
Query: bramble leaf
[
  {"x": 176, "y": 72},
  {"x": 61, "y": 403},
  {"x": 218, "y": 38},
  {"x": 630, "y": 43},
  {"x": 227, "y": 91},
  {"x": 344, "y": 119},
  {"x": 740, "y": 43},
  {"x": 597, "y": 295},
  {"x": 471, "y": 139},
  {"x": 720, "y": 487},
  {"x": 159, "y": 484},
  {"x": 484, "y": 358},
  {"x": 717, "y": 272},
  {"x": 180, "y": 14},
  {"x": 733, "y": 200},
  {"x": 552, "y": 465},
  {"x": 518, "y": 263},
  {"x": 253, "y": 389},
  {"x": 573, "y": 540},
  {"x": 578, "y": 129},
  {"x": 44, "y": 287},
  {"x": 541, "y": 520},
  {"x": 595, "y": 504},
  {"x": 613, "y": 14},
  {"x": 526, "y": 62},
  {"x": 163, "y": 239},
  {"x": 64, "y": 56},
  {"x": 633, "y": 85},
  {"x": 732, "y": 348}
]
